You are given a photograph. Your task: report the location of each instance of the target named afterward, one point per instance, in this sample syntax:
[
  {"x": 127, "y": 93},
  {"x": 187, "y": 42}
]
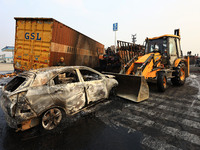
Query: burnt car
[{"x": 44, "y": 96}]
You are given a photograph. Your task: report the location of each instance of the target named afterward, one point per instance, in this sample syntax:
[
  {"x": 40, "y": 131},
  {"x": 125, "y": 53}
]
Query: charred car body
[{"x": 43, "y": 95}]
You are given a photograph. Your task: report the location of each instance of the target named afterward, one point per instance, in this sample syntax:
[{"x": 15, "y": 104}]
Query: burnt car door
[
  {"x": 67, "y": 91},
  {"x": 95, "y": 85}
]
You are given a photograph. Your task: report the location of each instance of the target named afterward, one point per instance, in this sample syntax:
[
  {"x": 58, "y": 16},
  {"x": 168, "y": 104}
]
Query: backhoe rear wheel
[
  {"x": 179, "y": 74},
  {"x": 161, "y": 81}
]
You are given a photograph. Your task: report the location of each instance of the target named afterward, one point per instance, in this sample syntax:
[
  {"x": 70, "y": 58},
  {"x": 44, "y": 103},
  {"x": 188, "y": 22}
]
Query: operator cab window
[
  {"x": 89, "y": 75},
  {"x": 178, "y": 47},
  {"x": 66, "y": 77},
  {"x": 172, "y": 47},
  {"x": 159, "y": 45}
]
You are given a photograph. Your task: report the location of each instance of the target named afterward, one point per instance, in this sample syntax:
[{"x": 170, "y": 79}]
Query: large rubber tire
[
  {"x": 51, "y": 118},
  {"x": 179, "y": 74},
  {"x": 161, "y": 81}
]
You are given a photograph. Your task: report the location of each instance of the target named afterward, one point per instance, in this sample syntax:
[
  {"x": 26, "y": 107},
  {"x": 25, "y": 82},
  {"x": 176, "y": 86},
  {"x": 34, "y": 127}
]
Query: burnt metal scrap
[
  {"x": 110, "y": 61},
  {"x": 128, "y": 51},
  {"x": 49, "y": 93},
  {"x": 8, "y": 75}
]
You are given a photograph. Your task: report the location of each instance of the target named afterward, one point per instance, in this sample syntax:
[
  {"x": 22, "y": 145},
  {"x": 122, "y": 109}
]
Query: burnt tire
[
  {"x": 161, "y": 81},
  {"x": 113, "y": 93},
  {"x": 179, "y": 74},
  {"x": 51, "y": 118}
]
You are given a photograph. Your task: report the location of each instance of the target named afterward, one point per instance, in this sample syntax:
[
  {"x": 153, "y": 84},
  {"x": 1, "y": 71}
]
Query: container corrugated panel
[
  {"x": 76, "y": 48},
  {"x": 40, "y": 42}
]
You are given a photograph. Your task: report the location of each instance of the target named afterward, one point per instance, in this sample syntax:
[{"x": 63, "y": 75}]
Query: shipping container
[{"x": 40, "y": 42}]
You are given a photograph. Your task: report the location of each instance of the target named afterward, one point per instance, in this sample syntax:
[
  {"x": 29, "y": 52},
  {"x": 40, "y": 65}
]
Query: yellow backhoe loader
[{"x": 163, "y": 59}]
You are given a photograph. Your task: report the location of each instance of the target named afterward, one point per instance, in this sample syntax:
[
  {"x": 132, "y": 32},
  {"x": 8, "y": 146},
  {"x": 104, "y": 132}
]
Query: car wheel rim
[{"x": 51, "y": 118}]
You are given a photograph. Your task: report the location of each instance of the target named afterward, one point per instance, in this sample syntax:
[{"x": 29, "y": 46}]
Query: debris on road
[{"x": 8, "y": 75}]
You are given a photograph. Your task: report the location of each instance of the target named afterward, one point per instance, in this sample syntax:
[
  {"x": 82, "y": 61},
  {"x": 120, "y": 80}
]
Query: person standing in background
[{"x": 61, "y": 62}]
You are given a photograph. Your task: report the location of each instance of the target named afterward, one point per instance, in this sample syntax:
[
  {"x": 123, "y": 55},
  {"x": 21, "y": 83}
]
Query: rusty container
[{"x": 40, "y": 42}]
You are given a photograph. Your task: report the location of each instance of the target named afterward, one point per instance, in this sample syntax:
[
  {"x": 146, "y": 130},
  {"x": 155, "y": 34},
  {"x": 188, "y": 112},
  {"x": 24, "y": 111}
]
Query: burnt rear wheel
[
  {"x": 161, "y": 81},
  {"x": 51, "y": 118}
]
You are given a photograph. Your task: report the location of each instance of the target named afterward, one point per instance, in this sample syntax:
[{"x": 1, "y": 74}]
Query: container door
[{"x": 32, "y": 43}]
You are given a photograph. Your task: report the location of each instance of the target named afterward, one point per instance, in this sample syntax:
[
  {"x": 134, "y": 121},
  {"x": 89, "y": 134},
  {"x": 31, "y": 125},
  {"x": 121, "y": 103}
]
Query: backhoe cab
[
  {"x": 166, "y": 58},
  {"x": 163, "y": 60}
]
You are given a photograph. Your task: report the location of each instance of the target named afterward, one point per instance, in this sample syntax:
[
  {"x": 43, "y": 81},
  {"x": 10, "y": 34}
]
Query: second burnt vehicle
[{"x": 45, "y": 95}]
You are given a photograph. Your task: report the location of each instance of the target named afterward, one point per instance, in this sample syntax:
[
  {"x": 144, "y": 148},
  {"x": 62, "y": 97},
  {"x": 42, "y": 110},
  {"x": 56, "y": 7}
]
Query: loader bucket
[{"x": 134, "y": 88}]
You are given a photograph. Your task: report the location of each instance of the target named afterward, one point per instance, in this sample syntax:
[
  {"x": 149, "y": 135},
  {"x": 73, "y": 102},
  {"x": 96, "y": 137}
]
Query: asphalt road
[{"x": 169, "y": 120}]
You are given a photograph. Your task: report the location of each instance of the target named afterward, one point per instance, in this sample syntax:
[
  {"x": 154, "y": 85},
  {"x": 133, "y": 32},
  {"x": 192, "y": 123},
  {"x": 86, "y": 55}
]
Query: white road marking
[
  {"x": 175, "y": 104},
  {"x": 164, "y": 116},
  {"x": 192, "y": 138},
  {"x": 156, "y": 144},
  {"x": 147, "y": 140},
  {"x": 195, "y": 83},
  {"x": 180, "y": 111},
  {"x": 193, "y": 103},
  {"x": 172, "y": 99}
]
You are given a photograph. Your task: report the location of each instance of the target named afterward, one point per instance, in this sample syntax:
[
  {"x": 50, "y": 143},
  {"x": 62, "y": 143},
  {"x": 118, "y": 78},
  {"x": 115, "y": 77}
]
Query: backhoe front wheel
[
  {"x": 179, "y": 74},
  {"x": 161, "y": 81}
]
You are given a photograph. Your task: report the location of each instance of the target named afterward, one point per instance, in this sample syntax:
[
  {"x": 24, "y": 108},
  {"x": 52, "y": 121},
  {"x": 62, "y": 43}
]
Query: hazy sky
[{"x": 147, "y": 18}]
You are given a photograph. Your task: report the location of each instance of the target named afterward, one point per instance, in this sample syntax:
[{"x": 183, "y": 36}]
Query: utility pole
[{"x": 134, "y": 38}]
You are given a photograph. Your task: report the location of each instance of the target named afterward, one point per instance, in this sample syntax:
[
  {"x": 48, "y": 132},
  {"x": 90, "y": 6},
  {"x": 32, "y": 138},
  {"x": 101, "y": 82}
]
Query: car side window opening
[
  {"x": 66, "y": 77},
  {"x": 89, "y": 75}
]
